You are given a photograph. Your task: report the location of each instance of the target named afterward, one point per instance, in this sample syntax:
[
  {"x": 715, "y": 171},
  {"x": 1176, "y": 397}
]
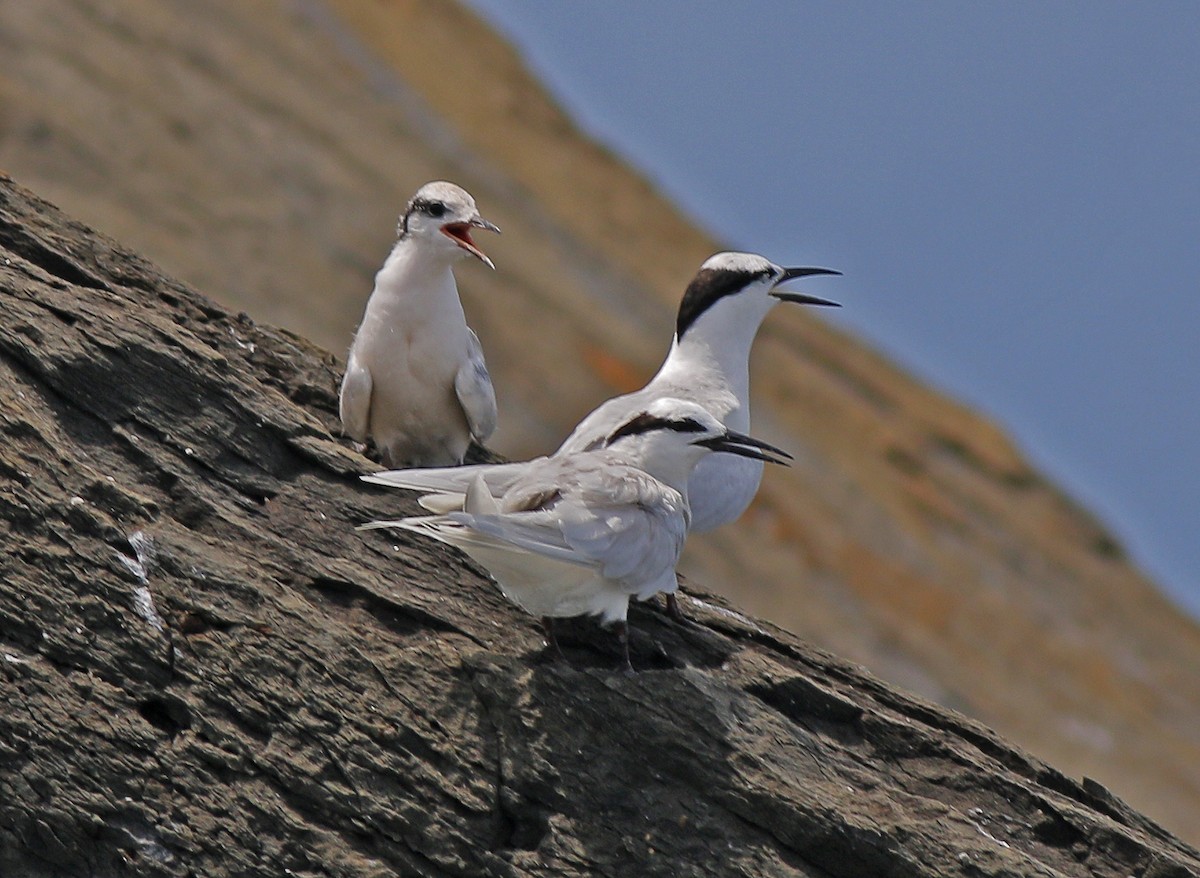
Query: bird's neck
[
  {"x": 721, "y": 337},
  {"x": 414, "y": 273},
  {"x": 667, "y": 465},
  {"x": 711, "y": 354}
]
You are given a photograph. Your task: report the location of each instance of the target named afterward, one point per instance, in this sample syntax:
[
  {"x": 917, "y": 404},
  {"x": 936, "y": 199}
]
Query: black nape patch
[
  {"x": 708, "y": 286},
  {"x": 645, "y": 422}
]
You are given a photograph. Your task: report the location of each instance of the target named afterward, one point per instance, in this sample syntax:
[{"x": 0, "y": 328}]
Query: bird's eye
[{"x": 435, "y": 209}]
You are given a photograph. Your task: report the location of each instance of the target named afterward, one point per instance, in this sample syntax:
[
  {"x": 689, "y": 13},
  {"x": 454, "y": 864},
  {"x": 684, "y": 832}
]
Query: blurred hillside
[{"x": 262, "y": 152}]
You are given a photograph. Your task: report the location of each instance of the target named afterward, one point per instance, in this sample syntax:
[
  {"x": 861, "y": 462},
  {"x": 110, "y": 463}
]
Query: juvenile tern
[
  {"x": 583, "y": 532},
  {"x": 708, "y": 363},
  {"x": 416, "y": 382}
]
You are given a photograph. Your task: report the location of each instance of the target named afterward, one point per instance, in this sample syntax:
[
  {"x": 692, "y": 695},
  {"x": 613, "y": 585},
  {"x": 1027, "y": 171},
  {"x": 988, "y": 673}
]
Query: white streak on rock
[
  {"x": 139, "y": 566},
  {"x": 143, "y": 603}
]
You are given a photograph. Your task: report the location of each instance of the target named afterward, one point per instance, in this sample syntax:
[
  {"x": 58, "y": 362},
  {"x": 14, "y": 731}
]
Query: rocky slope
[
  {"x": 262, "y": 151},
  {"x": 207, "y": 671}
]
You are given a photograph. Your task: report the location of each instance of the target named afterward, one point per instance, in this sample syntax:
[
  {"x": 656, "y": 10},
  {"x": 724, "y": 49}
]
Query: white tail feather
[{"x": 479, "y": 500}]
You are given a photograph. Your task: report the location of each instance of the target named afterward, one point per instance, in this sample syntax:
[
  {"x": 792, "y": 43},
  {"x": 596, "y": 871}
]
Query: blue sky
[{"x": 1012, "y": 190}]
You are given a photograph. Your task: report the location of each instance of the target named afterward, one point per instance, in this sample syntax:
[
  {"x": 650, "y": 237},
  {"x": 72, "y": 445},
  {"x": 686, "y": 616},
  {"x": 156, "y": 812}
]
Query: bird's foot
[
  {"x": 672, "y": 608},
  {"x": 552, "y": 648},
  {"x": 623, "y": 638}
]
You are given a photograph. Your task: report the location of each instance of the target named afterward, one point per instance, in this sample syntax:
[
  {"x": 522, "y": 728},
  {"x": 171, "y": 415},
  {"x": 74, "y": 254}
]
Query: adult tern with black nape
[
  {"x": 581, "y": 533},
  {"x": 708, "y": 364}
]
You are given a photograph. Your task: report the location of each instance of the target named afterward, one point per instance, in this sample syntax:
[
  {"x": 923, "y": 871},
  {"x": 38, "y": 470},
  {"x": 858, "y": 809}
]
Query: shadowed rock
[{"x": 204, "y": 670}]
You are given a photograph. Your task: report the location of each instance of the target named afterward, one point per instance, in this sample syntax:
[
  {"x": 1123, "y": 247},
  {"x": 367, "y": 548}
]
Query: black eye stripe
[
  {"x": 433, "y": 208},
  {"x": 646, "y": 422}
]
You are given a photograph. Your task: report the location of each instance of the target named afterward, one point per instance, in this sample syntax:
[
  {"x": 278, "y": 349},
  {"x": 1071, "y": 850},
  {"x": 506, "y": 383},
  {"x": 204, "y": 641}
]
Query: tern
[
  {"x": 708, "y": 363},
  {"x": 581, "y": 533},
  {"x": 416, "y": 382}
]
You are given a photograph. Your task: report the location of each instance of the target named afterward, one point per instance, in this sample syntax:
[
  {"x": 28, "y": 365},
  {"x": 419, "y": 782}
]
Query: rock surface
[
  {"x": 206, "y": 671},
  {"x": 261, "y": 152}
]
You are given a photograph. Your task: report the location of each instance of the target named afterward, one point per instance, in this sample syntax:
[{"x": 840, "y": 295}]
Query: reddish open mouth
[{"x": 461, "y": 233}]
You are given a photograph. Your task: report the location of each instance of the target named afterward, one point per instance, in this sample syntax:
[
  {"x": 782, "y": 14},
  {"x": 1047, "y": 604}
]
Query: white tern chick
[
  {"x": 708, "y": 363},
  {"x": 582, "y": 533},
  {"x": 416, "y": 382}
]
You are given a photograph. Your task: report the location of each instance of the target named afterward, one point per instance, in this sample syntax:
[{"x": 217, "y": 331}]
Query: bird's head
[
  {"x": 738, "y": 289},
  {"x": 670, "y": 436},
  {"x": 440, "y": 217}
]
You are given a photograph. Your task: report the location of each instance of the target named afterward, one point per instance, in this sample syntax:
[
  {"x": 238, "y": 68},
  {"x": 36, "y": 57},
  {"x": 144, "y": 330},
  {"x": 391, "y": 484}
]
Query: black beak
[
  {"x": 480, "y": 223},
  {"x": 802, "y": 298},
  {"x": 746, "y": 446},
  {"x": 793, "y": 273}
]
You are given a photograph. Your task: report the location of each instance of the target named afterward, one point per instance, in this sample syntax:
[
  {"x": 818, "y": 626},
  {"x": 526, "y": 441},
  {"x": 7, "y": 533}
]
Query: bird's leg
[
  {"x": 673, "y": 608},
  {"x": 622, "y": 630},
  {"x": 551, "y": 638}
]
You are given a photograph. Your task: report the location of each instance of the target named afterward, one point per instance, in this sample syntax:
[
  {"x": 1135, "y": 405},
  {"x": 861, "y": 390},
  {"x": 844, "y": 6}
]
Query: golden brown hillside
[{"x": 262, "y": 151}]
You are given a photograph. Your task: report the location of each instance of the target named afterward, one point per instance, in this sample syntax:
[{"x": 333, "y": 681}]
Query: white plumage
[
  {"x": 416, "y": 382},
  {"x": 582, "y": 533},
  {"x": 708, "y": 364}
]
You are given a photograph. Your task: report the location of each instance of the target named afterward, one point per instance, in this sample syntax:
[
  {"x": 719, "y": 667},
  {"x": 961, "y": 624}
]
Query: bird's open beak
[
  {"x": 461, "y": 235},
  {"x": 746, "y": 446},
  {"x": 802, "y": 298}
]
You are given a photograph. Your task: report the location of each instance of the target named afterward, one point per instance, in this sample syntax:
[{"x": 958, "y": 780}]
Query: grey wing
[
  {"x": 612, "y": 537},
  {"x": 444, "y": 488},
  {"x": 354, "y": 401},
  {"x": 448, "y": 478},
  {"x": 637, "y": 538},
  {"x": 621, "y": 522},
  {"x": 473, "y": 385},
  {"x": 532, "y": 531},
  {"x": 506, "y": 532}
]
